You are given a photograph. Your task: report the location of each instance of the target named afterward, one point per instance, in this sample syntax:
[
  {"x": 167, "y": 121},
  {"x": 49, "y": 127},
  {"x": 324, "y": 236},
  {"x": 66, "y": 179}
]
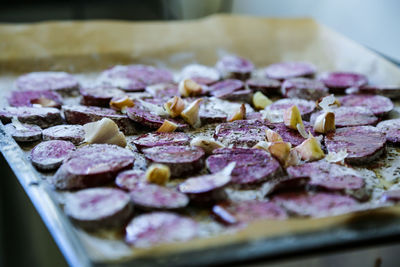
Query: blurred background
[{"x": 25, "y": 240}]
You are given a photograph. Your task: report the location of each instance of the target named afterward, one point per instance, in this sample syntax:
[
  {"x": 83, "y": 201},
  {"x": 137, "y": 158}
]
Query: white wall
[{"x": 374, "y": 23}]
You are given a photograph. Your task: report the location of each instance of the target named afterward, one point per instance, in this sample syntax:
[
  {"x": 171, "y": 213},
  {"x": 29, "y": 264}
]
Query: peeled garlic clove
[
  {"x": 328, "y": 102},
  {"x": 188, "y": 87},
  {"x": 240, "y": 114},
  {"x": 293, "y": 159},
  {"x": 167, "y": 127},
  {"x": 121, "y": 103},
  {"x": 280, "y": 150},
  {"x": 262, "y": 145},
  {"x": 191, "y": 113},
  {"x": 260, "y": 101},
  {"x": 104, "y": 131},
  {"x": 158, "y": 174},
  {"x": 325, "y": 123},
  {"x": 272, "y": 136},
  {"x": 292, "y": 117},
  {"x": 174, "y": 106},
  {"x": 207, "y": 144},
  {"x": 45, "y": 102},
  {"x": 310, "y": 149}
]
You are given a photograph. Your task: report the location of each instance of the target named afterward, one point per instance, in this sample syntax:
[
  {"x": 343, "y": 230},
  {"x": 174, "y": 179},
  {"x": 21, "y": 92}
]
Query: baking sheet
[{"x": 88, "y": 47}]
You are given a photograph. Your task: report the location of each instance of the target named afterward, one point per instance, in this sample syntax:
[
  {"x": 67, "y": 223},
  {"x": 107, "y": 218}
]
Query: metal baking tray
[{"x": 263, "y": 239}]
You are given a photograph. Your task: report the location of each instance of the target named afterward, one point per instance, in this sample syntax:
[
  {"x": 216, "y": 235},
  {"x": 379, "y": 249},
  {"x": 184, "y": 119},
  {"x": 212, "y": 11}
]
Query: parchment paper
[{"x": 87, "y": 47}]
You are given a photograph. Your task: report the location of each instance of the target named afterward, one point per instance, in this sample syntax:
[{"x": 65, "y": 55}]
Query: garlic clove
[
  {"x": 191, "y": 113},
  {"x": 207, "y": 144},
  {"x": 104, "y": 131},
  {"x": 328, "y": 102},
  {"x": 260, "y": 101},
  {"x": 293, "y": 159},
  {"x": 158, "y": 174},
  {"x": 167, "y": 127},
  {"x": 272, "y": 136},
  {"x": 121, "y": 103},
  {"x": 188, "y": 87},
  {"x": 325, "y": 123},
  {"x": 310, "y": 149},
  {"x": 45, "y": 102},
  {"x": 262, "y": 145},
  {"x": 174, "y": 106},
  {"x": 239, "y": 114},
  {"x": 292, "y": 117},
  {"x": 280, "y": 151}
]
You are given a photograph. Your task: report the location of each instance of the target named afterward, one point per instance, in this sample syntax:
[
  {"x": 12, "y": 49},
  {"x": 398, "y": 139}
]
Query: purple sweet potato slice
[
  {"x": 182, "y": 160},
  {"x": 24, "y": 132},
  {"x": 331, "y": 177},
  {"x": 99, "y": 95},
  {"x": 225, "y": 88},
  {"x": 264, "y": 85},
  {"x": 49, "y": 155},
  {"x": 128, "y": 180},
  {"x": 337, "y": 82},
  {"x": 286, "y": 70},
  {"x": 241, "y": 133},
  {"x": 304, "y": 88},
  {"x": 72, "y": 133},
  {"x": 235, "y": 67},
  {"x": 391, "y": 196},
  {"x": 200, "y": 73},
  {"x": 92, "y": 165},
  {"x": 276, "y": 109},
  {"x": 247, "y": 211},
  {"x": 29, "y": 98},
  {"x": 379, "y": 105},
  {"x": 134, "y": 77},
  {"x": 390, "y": 91},
  {"x": 364, "y": 144},
  {"x": 152, "y": 196},
  {"x": 41, "y": 81},
  {"x": 315, "y": 205},
  {"x": 42, "y": 117},
  {"x": 392, "y": 130},
  {"x": 292, "y": 136},
  {"x": 160, "y": 139},
  {"x": 163, "y": 90},
  {"x": 98, "y": 208},
  {"x": 207, "y": 188},
  {"x": 349, "y": 116},
  {"x": 158, "y": 228},
  {"x": 253, "y": 166},
  {"x": 79, "y": 114}
]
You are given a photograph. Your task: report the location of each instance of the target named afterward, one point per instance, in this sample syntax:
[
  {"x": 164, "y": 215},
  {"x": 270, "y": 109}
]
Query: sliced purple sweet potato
[
  {"x": 200, "y": 73},
  {"x": 275, "y": 111},
  {"x": 392, "y": 130},
  {"x": 158, "y": 228},
  {"x": 364, "y": 144},
  {"x": 264, "y": 85},
  {"x": 91, "y": 166},
  {"x": 182, "y": 160},
  {"x": 247, "y": 211},
  {"x": 34, "y": 97},
  {"x": 41, "y": 81},
  {"x": 42, "y": 117},
  {"x": 128, "y": 180},
  {"x": 98, "y": 208},
  {"x": 224, "y": 89},
  {"x": 72, "y": 133},
  {"x": 390, "y": 91},
  {"x": 289, "y": 135},
  {"x": 24, "y": 132},
  {"x": 379, "y": 105},
  {"x": 235, "y": 67},
  {"x": 304, "y": 88},
  {"x": 286, "y": 70},
  {"x": 160, "y": 139},
  {"x": 49, "y": 155},
  {"x": 99, "y": 95},
  {"x": 253, "y": 166},
  {"x": 337, "y": 82}
]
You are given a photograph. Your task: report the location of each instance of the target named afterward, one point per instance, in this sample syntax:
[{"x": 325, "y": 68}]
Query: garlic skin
[
  {"x": 325, "y": 123},
  {"x": 240, "y": 114},
  {"x": 104, "y": 131},
  {"x": 310, "y": 149},
  {"x": 328, "y": 102},
  {"x": 292, "y": 117},
  {"x": 262, "y": 145},
  {"x": 191, "y": 114},
  {"x": 280, "y": 151},
  {"x": 121, "y": 103},
  {"x": 167, "y": 127},
  {"x": 272, "y": 136},
  {"x": 260, "y": 101},
  {"x": 207, "y": 144},
  {"x": 174, "y": 106},
  {"x": 158, "y": 174},
  {"x": 188, "y": 87}
]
